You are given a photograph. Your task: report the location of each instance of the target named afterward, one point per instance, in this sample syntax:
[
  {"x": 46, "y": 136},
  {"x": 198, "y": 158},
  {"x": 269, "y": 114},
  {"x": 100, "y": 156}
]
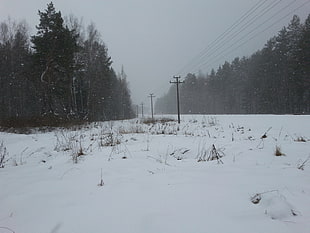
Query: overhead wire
[
  {"x": 243, "y": 42},
  {"x": 243, "y": 27},
  {"x": 237, "y": 33},
  {"x": 248, "y": 14},
  {"x": 219, "y": 46},
  {"x": 259, "y": 9},
  {"x": 227, "y": 31},
  {"x": 232, "y": 50}
]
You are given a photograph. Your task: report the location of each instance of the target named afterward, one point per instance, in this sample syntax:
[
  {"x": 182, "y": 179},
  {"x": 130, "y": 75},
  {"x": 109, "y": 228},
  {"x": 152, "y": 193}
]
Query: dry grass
[
  {"x": 3, "y": 154},
  {"x": 278, "y": 151},
  {"x": 300, "y": 139},
  {"x": 159, "y": 120}
]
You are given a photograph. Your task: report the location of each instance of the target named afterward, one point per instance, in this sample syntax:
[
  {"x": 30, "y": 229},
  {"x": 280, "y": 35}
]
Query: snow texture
[{"x": 131, "y": 177}]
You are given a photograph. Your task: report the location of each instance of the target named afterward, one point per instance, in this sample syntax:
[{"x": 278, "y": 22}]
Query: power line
[
  {"x": 261, "y": 13},
  {"x": 219, "y": 42},
  {"x": 219, "y": 45},
  {"x": 273, "y": 24},
  {"x": 227, "y": 31},
  {"x": 249, "y": 23},
  {"x": 219, "y": 56}
]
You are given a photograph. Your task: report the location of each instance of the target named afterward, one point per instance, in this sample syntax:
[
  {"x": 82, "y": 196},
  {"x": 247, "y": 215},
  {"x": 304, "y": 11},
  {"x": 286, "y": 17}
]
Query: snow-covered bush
[
  {"x": 77, "y": 149},
  {"x": 210, "y": 154},
  {"x": 70, "y": 141},
  {"x": 65, "y": 140}
]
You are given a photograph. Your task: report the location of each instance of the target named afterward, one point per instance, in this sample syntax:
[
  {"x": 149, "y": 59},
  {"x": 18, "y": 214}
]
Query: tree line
[
  {"x": 61, "y": 74},
  {"x": 273, "y": 80}
]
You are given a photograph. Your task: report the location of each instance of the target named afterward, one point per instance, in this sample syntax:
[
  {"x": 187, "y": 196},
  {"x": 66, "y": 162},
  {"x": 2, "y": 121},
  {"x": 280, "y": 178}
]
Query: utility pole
[
  {"x": 137, "y": 110},
  {"x": 177, "y": 82},
  {"x": 142, "y": 109},
  {"x": 151, "y": 96}
]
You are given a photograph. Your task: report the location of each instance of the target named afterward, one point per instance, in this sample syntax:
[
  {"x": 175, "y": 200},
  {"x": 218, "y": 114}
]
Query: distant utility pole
[
  {"x": 151, "y": 96},
  {"x": 142, "y": 109},
  {"x": 177, "y": 82},
  {"x": 137, "y": 110}
]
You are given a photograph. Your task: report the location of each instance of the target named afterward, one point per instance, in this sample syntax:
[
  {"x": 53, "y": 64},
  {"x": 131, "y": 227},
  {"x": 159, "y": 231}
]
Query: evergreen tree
[
  {"x": 303, "y": 66},
  {"x": 296, "y": 83},
  {"x": 272, "y": 80},
  {"x": 125, "y": 100},
  {"x": 54, "y": 48},
  {"x": 66, "y": 76}
]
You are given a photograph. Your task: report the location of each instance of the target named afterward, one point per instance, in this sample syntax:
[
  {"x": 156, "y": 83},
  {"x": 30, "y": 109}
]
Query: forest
[
  {"x": 61, "y": 74},
  {"x": 273, "y": 80}
]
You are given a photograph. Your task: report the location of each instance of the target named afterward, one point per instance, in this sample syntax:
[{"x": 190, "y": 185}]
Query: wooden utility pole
[
  {"x": 142, "y": 110},
  {"x": 151, "y": 96},
  {"x": 177, "y": 82},
  {"x": 137, "y": 110}
]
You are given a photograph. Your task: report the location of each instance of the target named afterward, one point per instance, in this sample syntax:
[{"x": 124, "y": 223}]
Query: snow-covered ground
[{"x": 153, "y": 181}]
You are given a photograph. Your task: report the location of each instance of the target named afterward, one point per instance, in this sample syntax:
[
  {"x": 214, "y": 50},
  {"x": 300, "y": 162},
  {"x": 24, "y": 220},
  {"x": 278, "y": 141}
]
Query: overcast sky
[{"x": 157, "y": 39}]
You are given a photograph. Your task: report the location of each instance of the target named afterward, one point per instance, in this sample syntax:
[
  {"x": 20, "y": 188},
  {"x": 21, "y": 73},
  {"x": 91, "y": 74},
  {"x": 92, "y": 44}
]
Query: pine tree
[
  {"x": 54, "y": 48},
  {"x": 294, "y": 33},
  {"x": 304, "y": 64},
  {"x": 125, "y": 100}
]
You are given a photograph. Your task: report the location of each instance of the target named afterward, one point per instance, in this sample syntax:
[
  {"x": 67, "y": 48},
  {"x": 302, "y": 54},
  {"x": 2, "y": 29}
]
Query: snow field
[{"x": 152, "y": 180}]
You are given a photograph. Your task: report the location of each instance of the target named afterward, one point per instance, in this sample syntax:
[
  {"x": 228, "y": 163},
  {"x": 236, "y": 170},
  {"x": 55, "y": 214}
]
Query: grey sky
[{"x": 156, "y": 39}]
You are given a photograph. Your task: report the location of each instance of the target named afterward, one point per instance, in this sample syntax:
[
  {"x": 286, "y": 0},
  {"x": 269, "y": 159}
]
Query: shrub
[{"x": 214, "y": 154}]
